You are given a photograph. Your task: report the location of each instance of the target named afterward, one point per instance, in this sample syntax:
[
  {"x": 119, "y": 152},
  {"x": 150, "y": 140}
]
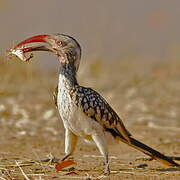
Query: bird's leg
[
  {"x": 70, "y": 143},
  {"x": 107, "y": 169},
  {"x": 102, "y": 146}
]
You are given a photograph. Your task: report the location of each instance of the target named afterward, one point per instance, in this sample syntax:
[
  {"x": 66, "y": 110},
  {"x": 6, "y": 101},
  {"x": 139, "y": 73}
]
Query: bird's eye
[{"x": 61, "y": 43}]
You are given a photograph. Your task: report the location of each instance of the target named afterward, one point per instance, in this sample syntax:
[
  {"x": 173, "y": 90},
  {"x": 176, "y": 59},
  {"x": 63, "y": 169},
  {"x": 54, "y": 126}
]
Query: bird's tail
[{"x": 149, "y": 151}]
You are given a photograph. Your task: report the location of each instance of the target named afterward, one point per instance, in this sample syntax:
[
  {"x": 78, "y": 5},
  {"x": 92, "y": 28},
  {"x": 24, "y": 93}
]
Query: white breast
[{"x": 73, "y": 117}]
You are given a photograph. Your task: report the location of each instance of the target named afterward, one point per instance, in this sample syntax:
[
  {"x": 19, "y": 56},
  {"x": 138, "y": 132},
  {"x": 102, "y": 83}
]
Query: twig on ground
[{"x": 22, "y": 171}]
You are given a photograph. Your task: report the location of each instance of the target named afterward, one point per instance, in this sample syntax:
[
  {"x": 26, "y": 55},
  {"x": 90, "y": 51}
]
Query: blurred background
[
  {"x": 114, "y": 29},
  {"x": 130, "y": 54}
]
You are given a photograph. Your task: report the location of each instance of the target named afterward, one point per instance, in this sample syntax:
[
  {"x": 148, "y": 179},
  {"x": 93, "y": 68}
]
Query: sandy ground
[{"x": 146, "y": 95}]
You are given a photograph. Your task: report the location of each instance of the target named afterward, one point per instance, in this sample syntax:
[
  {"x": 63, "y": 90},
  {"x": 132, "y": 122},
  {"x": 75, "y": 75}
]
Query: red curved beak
[
  {"x": 20, "y": 49},
  {"x": 38, "y": 38}
]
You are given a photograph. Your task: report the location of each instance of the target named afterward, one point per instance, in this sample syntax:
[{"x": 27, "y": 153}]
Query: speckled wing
[{"x": 96, "y": 107}]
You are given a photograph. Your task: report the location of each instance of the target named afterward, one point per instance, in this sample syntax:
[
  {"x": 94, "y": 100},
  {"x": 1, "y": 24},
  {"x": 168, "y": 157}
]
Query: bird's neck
[{"x": 67, "y": 76}]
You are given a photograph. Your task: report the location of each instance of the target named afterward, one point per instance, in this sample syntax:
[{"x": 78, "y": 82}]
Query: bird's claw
[{"x": 51, "y": 159}]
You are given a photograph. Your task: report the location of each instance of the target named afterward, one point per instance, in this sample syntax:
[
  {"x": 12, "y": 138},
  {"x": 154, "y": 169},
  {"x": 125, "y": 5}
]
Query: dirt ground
[{"x": 145, "y": 95}]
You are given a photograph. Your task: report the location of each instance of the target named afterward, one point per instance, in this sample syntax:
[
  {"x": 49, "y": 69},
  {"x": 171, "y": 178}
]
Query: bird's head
[{"x": 65, "y": 47}]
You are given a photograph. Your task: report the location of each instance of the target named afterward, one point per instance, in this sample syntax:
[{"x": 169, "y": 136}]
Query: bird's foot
[
  {"x": 107, "y": 170},
  {"x": 51, "y": 159},
  {"x": 65, "y": 157}
]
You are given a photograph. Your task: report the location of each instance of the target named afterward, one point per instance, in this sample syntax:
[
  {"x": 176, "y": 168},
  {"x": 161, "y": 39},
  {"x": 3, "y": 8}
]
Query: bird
[{"x": 84, "y": 112}]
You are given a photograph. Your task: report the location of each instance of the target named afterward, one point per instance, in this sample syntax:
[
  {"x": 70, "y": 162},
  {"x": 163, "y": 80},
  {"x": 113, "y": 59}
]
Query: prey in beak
[
  {"x": 25, "y": 46},
  {"x": 66, "y": 48}
]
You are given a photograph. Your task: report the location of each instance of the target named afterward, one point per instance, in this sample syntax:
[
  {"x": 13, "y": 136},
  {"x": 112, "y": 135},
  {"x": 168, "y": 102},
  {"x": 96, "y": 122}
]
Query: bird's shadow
[
  {"x": 167, "y": 169},
  {"x": 176, "y": 158}
]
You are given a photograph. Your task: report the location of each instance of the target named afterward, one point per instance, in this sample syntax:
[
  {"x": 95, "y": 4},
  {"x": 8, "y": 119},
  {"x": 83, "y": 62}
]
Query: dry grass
[{"x": 146, "y": 95}]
